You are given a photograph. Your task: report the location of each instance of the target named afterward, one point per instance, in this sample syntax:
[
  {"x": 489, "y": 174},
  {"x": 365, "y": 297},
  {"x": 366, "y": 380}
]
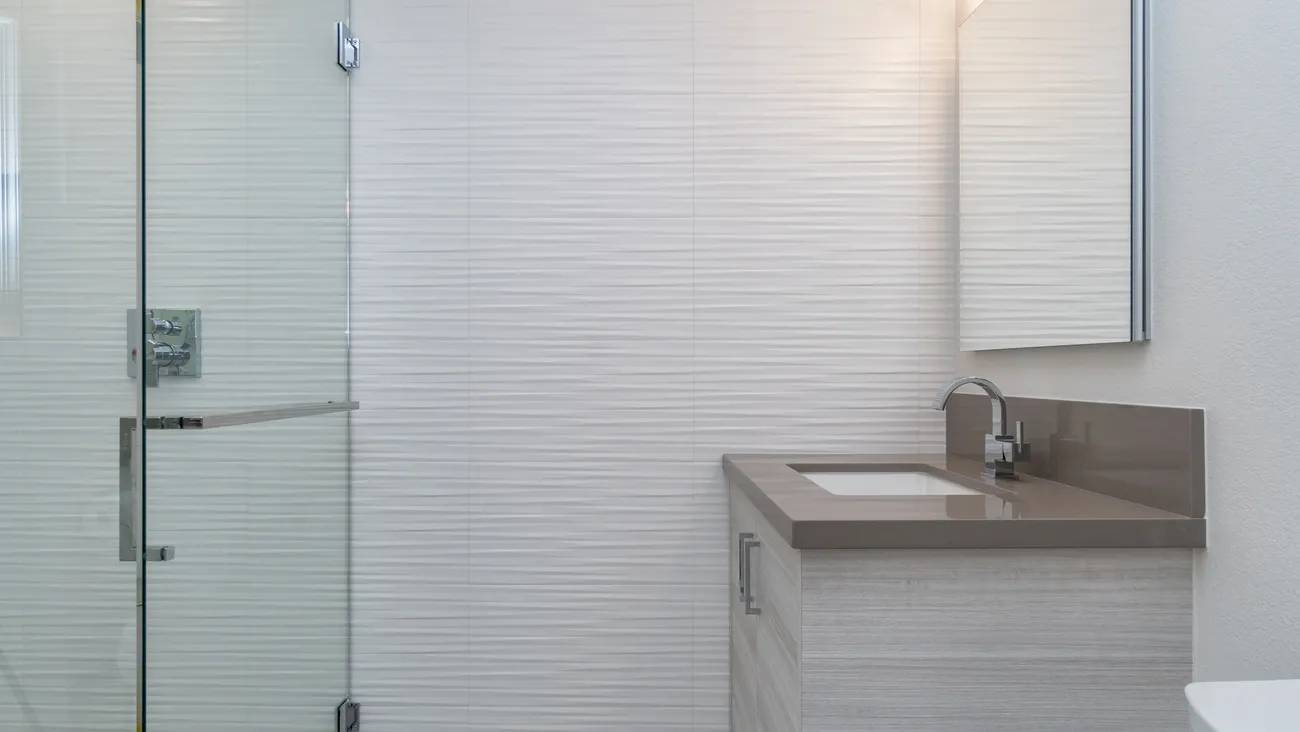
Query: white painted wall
[
  {"x": 597, "y": 246},
  {"x": 1227, "y": 315}
]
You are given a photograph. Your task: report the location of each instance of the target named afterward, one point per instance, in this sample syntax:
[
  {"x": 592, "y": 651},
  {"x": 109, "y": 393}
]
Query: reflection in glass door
[
  {"x": 67, "y": 277},
  {"x": 245, "y": 365}
]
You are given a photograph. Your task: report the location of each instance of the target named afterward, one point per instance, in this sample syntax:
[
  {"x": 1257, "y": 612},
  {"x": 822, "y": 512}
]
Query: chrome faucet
[{"x": 1001, "y": 450}]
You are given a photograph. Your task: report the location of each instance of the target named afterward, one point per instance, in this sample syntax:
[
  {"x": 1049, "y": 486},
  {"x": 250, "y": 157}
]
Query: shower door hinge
[
  {"x": 349, "y": 48},
  {"x": 349, "y": 715}
]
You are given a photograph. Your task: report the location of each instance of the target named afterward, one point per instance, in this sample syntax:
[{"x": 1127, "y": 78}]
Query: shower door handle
[
  {"x": 128, "y": 496},
  {"x": 127, "y": 506}
]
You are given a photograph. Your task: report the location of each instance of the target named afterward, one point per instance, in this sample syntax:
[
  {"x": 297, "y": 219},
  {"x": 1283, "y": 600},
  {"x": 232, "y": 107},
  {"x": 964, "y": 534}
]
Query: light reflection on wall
[
  {"x": 10, "y": 303},
  {"x": 965, "y": 8}
]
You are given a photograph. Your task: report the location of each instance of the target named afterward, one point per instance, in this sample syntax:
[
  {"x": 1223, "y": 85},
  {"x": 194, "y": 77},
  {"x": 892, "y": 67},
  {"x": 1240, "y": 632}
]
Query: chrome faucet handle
[
  {"x": 1020, "y": 446},
  {"x": 1002, "y": 452}
]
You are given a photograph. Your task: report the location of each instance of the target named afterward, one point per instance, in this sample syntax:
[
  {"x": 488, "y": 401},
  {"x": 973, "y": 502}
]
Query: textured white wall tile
[
  {"x": 587, "y": 655},
  {"x": 411, "y": 366},
  {"x": 598, "y": 244},
  {"x": 614, "y": 47},
  {"x": 582, "y": 156},
  {"x": 783, "y": 46},
  {"x": 67, "y": 634},
  {"x": 816, "y": 158}
]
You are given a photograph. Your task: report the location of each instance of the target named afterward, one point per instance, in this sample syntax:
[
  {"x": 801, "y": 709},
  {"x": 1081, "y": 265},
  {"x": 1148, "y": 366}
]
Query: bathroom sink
[
  {"x": 885, "y": 483},
  {"x": 1245, "y": 706}
]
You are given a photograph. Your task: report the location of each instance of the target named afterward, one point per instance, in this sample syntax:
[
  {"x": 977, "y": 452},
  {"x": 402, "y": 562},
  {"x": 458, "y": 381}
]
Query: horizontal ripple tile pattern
[{"x": 596, "y": 246}]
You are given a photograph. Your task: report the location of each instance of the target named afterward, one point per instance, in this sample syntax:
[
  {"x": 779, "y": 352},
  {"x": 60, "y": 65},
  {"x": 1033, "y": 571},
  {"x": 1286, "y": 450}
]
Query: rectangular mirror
[{"x": 1052, "y": 126}]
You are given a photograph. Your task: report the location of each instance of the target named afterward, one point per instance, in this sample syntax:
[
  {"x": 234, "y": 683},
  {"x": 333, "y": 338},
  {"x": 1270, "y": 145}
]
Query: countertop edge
[
  {"x": 783, "y": 524},
  {"x": 1050, "y": 533}
]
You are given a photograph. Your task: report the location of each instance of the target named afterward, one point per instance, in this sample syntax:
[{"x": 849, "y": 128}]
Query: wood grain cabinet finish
[
  {"x": 765, "y": 647},
  {"x": 987, "y": 640}
]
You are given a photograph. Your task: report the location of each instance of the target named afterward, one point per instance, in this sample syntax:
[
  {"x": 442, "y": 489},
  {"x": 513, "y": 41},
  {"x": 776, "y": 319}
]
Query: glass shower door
[
  {"x": 67, "y": 278},
  {"x": 246, "y": 365}
]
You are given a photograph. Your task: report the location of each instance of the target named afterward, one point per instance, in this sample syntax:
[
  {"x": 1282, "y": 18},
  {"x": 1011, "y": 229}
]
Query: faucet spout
[{"x": 995, "y": 396}]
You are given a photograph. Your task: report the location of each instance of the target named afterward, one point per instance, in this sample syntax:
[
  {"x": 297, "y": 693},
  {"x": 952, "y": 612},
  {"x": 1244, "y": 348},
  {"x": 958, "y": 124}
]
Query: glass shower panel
[
  {"x": 67, "y": 276},
  {"x": 246, "y": 260}
]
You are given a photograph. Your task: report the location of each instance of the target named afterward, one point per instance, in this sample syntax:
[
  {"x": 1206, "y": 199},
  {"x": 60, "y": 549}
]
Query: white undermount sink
[
  {"x": 883, "y": 483},
  {"x": 1245, "y": 706}
]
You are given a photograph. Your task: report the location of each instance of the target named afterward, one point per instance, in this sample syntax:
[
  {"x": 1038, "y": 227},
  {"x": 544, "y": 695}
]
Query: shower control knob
[
  {"x": 164, "y": 327},
  {"x": 167, "y": 342},
  {"x": 165, "y": 354}
]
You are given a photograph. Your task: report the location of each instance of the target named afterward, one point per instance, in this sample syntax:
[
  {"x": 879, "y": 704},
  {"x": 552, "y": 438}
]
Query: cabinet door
[
  {"x": 744, "y": 628},
  {"x": 997, "y": 640},
  {"x": 776, "y": 589},
  {"x": 765, "y": 640}
]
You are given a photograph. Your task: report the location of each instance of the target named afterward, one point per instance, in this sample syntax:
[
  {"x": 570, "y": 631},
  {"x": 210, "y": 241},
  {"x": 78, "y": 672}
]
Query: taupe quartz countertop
[{"x": 1027, "y": 512}]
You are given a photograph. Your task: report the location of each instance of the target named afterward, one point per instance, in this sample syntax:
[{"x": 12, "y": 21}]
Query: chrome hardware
[
  {"x": 162, "y": 327},
  {"x": 251, "y": 416},
  {"x": 126, "y": 489},
  {"x": 172, "y": 345},
  {"x": 160, "y": 553},
  {"x": 1002, "y": 450},
  {"x": 349, "y": 47},
  {"x": 128, "y": 508},
  {"x": 349, "y": 716},
  {"x": 746, "y": 562},
  {"x": 165, "y": 355},
  {"x": 740, "y": 565}
]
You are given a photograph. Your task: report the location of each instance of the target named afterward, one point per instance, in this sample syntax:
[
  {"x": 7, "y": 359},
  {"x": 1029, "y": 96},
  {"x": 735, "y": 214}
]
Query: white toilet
[{"x": 1245, "y": 706}]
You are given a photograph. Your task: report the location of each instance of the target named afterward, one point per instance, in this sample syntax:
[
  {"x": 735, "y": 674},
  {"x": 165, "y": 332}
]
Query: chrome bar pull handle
[
  {"x": 748, "y": 543},
  {"x": 126, "y": 490},
  {"x": 744, "y": 537},
  {"x": 128, "y": 496}
]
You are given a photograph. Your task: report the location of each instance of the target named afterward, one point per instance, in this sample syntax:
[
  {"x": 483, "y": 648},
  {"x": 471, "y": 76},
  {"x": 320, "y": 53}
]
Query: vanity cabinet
[{"x": 955, "y": 640}]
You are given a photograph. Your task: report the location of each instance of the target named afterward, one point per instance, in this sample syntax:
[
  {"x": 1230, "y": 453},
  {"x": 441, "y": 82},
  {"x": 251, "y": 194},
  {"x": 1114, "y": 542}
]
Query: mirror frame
[{"x": 1140, "y": 217}]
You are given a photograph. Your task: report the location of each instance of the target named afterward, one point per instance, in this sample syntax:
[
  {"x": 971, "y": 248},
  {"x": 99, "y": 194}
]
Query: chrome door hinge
[
  {"x": 349, "y": 716},
  {"x": 349, "y": 48}
]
